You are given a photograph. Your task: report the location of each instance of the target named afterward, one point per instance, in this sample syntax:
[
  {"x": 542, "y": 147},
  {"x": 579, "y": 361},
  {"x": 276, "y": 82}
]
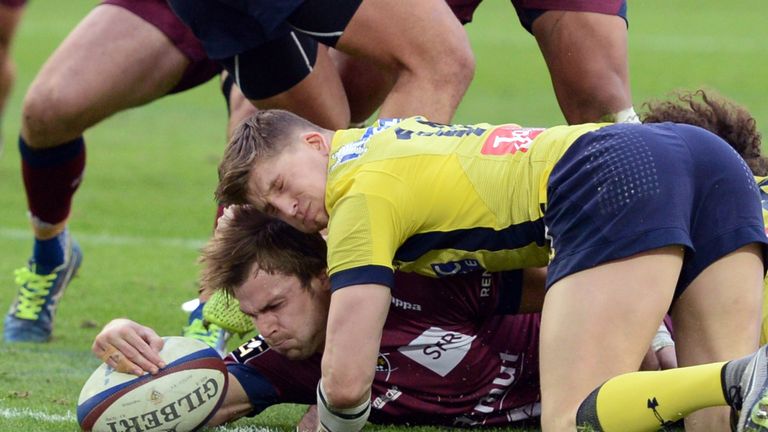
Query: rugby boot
[
  {"x": 749, "y": 397},
  {"x": 30, "y": 318}
]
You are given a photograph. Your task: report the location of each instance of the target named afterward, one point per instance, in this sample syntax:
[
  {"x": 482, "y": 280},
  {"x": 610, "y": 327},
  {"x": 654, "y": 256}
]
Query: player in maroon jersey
[{"x": 450, "y": 353}]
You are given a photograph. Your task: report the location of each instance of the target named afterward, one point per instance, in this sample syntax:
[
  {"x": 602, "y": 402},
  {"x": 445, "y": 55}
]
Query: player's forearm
[
  {"x": 355, "y": 323},
  {"x": 235, "y": 405}
]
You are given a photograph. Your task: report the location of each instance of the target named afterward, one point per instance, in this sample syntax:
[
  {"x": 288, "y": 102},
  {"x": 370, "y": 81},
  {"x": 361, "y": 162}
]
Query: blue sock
[{"x": 49, "y": 254}]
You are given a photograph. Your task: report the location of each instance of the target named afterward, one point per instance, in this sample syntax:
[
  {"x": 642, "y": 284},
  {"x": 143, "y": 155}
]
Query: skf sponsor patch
[{"x": 438, "y": 350}]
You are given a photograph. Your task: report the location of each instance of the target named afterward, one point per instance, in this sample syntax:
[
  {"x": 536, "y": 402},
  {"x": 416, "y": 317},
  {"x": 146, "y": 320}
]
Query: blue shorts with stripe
[{"x": 625, "y": 189}]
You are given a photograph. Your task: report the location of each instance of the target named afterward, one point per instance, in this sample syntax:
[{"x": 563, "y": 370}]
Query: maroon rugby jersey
[{"x": 446, "y": 358}]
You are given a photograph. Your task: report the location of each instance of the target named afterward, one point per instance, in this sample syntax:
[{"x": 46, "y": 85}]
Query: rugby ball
[{"x": 181, "y": 397}]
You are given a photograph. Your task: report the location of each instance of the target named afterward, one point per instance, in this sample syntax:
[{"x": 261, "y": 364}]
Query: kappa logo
[
  {"x": 438, "y": 350},
  {"x": 404, "y": 305}
]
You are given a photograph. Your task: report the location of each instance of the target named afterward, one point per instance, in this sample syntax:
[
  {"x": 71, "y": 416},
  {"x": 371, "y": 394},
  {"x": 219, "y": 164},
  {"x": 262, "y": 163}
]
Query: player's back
[{"x": 437, "y": 194}]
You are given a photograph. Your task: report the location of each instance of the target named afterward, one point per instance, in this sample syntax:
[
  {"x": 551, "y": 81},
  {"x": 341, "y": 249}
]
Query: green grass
[{"x": 146, "y": 203}]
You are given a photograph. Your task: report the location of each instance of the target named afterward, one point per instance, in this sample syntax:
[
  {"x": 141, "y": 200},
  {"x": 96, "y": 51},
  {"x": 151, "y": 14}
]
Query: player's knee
[
  {"x": 50, "y": 116},
  {"x": 447, "y": 64}
]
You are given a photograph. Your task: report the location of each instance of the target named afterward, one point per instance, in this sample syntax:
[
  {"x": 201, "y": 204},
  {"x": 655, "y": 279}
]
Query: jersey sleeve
[
  {"x": 269, "y": 378},
  {"x": 365, "y": 230}
]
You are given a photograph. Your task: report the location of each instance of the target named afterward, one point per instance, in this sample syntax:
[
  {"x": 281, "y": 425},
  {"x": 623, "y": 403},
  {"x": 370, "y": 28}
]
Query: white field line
[
  {"x": 26, "y": 413},
  {"x": 113, "y": 240},
  {"x": 13, "y": 413}
]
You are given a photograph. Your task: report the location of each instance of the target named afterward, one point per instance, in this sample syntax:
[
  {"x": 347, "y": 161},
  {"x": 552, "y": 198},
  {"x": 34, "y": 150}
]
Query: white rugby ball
[{"x": 181, "y": 397}]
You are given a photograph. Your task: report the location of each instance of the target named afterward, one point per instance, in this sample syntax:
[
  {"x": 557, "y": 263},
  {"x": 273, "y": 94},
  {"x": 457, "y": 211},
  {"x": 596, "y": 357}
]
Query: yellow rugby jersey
[
  {"x": 439, "y": 199},
  {"x": 762, "y": 183}
]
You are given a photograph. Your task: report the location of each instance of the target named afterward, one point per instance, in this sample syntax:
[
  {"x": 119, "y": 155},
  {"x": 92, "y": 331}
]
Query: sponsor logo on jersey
[
  {"x": 351, "y": 151},
  {"x": 404, "y": 305},
  {"x": 384, "y": 366},
  {"x": 251, "y": 349},
  {"x": 390, "y": 395},
  {"x": 440, "y": 129},
  {"x": 486, "y": 280},
  {"x": 509, "y": 139},
  {"x": 455, "y": 267},
  {"x": 493, "y": 402},
  {"x": 438, "y": 350}
]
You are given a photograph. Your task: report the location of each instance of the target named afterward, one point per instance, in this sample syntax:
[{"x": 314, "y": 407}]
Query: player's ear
[
  {"x": 317, "y": 141},
  {"x": 325, "y": 281}
]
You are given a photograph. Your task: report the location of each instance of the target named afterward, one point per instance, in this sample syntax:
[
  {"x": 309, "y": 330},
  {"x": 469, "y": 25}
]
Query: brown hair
[
  {"x": 261, "y": 136},
  {"x": 728, "y": 120},
  {"x": 249, "y": 238}
]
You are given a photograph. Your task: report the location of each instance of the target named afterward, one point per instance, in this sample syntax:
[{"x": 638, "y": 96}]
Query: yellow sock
[{"x": 645, "y": 401}]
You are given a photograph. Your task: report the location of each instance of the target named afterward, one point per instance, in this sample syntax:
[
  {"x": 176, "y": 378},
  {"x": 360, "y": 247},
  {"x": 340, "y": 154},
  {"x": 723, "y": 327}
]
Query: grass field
[{"x": 146, "y": 204}]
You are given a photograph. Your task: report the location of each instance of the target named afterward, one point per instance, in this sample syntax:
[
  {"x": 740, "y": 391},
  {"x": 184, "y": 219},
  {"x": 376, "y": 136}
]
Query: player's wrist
[{"x": 340, "y": 419}]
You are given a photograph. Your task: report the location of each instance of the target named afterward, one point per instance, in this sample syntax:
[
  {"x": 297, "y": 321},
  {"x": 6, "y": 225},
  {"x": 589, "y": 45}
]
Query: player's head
[
  {"x": 724, "y": 118},
  {"x": 277, "y": 162},
  {"x": 278, "y": 275}
]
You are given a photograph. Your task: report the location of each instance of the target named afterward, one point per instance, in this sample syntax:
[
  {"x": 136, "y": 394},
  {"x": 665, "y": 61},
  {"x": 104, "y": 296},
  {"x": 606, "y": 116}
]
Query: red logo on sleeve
[{"x": 509, "y": 139}]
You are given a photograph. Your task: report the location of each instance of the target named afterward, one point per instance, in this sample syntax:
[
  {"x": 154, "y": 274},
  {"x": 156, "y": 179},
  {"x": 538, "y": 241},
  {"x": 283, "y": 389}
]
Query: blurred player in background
[
  {"x": 419, "y": 45},
  {"x": 10, "y": 15},
  {"x": 122, "y": 55},
  {"x": 584, "y": 44}
]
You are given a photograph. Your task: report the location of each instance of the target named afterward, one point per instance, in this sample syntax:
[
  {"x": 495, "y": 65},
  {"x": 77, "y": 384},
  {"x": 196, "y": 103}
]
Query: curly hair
[
  {"x": 249, "y": 238},
  {"x": 730, "y": 121}
]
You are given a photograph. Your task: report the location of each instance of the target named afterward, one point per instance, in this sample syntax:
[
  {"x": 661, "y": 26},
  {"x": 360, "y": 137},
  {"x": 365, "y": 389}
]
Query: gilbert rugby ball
[{"x": 181, "y": 397}]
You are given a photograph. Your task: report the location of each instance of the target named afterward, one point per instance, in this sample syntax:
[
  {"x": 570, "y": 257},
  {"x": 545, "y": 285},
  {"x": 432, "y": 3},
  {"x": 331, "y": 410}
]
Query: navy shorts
[
  {"x": 254, "y": 40},
  {"x": 626, "y": 189},
  {"x": 159, "y": 14},
  {"x": 529, "y": 10}
]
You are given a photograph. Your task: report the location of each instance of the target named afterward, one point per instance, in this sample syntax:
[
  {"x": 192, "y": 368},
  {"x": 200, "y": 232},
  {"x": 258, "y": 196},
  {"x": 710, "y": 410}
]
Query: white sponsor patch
[{"x": 438, "y": 350}]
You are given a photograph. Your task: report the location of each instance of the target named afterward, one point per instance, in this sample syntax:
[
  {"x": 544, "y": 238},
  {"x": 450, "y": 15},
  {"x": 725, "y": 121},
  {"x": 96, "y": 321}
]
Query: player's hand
[
  {"x": 129, "y": 347},
  {"x": 308, "y": 422}
]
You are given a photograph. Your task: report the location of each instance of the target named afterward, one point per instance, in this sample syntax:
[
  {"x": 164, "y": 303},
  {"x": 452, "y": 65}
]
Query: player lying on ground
[
  {"x": 446, "y": 356},
  {"x": 615, "y": 211},
  {"x": 450, "y": 353}
]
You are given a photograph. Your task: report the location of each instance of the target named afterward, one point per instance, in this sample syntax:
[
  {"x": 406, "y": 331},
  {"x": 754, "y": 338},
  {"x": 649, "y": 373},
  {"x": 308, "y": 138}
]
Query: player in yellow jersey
[
  {"x": 631, "y": 219},
  {"x": 739, "y": 130}
]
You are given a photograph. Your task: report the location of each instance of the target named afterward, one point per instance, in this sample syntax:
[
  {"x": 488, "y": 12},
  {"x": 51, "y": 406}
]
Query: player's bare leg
[
  {"x": 87, "y": 80},
  {"x": 423, "y": 45},
  {"x": 578, "y": 350},
  {"x": 9, "y": 20},
  {"x": 111, "y": 61},
  {"x": 717, "y": 318},
  {"x": 365, "y": 83},
  {"x": 586, "y": 54}
]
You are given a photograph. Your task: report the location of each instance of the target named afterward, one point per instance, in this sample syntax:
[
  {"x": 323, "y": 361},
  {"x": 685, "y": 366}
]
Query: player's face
[
  {"x": 291, "y": 318},
  {"x": 291, "y": 186}
]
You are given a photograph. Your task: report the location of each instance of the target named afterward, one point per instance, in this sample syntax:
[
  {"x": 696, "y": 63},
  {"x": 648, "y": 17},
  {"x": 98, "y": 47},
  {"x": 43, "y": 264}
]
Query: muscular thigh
[{"x": 112, "y": 60}]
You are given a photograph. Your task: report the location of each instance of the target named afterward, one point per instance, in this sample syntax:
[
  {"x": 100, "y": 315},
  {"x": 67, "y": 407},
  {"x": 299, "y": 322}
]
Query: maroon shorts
[
  {"x": 159, "y": 14},
  {"x": 13, "y": 3},
  {"x": 529, "y": 10}
]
